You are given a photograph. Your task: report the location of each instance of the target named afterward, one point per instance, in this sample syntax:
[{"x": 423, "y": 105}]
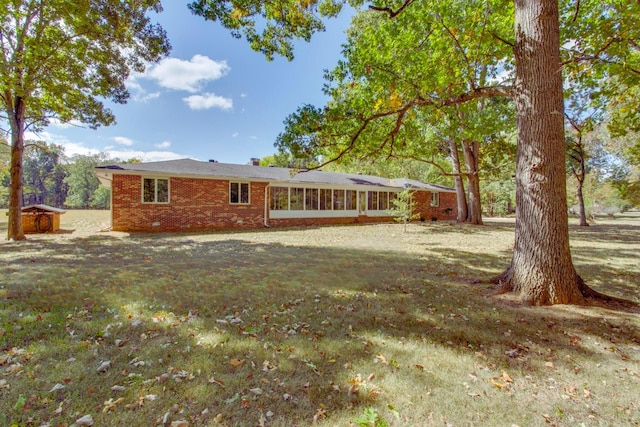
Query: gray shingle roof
[{"x": 190, "y": 167}]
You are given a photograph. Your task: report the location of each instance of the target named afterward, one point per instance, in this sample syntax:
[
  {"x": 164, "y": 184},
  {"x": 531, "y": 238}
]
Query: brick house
[{"x": 193, "y": 195}]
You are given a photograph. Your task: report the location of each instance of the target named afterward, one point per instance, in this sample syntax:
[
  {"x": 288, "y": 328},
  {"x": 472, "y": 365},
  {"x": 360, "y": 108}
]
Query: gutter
[{"x": 266, "y": 204}]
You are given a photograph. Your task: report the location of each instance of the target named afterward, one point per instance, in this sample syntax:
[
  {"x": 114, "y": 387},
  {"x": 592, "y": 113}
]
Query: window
[
  {"x": 155, "y": 190},
  {"x": 325, "y": 199},
  {"x": 279, "y": 198},
  {"x": 239, "y": 193},
  {"x": 435, "y": 199},
  {"x": 350, "y": 199},
  {"x": 373, "y": 201},
  {"x": 311, "y": 199},
  {"x": 383, "y": 200},
  {"x": 297, "y": 199}
]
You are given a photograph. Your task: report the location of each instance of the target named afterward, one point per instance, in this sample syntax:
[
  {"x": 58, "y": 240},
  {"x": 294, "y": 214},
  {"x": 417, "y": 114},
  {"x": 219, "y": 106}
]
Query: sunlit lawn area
[{"x": 338, "y": 326}]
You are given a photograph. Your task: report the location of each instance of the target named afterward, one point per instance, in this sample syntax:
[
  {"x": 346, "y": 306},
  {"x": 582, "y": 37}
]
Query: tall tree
[
  {"x": 5, "y": 160},
  {"x": 60, "y": 58},
  {"x": 44, "y": 174},
  {"x": 541, "y": 270},
  {"x": 85, "y": 190}
]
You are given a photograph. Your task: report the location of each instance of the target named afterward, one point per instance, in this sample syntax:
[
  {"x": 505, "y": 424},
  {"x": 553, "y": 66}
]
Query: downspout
[{"x": 266, "y": 204}]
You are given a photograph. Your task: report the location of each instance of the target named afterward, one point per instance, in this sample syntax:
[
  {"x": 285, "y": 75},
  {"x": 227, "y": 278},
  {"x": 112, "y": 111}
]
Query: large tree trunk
[
  {"x": 471, "y": 150},
  {"x": 461, "y": 197},
  {"x": 541, "y": 269},
  {"x": 16, "y": 119}
]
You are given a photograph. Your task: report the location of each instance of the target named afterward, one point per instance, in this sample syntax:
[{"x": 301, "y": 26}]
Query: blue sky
[{"x": 213, "y": 98}]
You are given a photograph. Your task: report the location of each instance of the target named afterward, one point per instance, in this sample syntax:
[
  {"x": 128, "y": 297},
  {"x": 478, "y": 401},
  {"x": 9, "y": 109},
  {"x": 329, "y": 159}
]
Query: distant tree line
[{"x": 52, "y": 178}]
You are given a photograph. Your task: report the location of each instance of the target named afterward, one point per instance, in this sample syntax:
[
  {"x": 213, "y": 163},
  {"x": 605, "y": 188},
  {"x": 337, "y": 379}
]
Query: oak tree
[
  {"x": 61, "y": 59},
  {"x": 541, "y": 269}
]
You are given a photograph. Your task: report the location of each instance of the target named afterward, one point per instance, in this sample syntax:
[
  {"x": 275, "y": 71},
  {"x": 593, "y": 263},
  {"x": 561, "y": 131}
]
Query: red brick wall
[
  {"x": 195, "y": 204},
  {"x": 203, "y": 204},
  {"x": 446, "y": 209}
]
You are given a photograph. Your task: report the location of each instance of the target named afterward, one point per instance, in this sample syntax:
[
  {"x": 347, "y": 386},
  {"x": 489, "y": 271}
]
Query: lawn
[{"x": 334, "y": 326}]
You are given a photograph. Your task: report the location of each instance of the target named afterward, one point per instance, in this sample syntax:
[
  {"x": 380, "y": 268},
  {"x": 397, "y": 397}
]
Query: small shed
[{"x": 41, "y": 218}]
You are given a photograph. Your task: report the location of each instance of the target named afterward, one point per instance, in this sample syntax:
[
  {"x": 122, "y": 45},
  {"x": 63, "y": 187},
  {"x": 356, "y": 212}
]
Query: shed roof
[
  {"x": 195, "y": 168},
  {"x": 42, "y": 209}
]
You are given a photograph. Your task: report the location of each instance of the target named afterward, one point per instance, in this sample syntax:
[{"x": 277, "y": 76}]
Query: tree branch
[
  {"x": 392, "y": 13},
  {"x": 575, "y": 15}
]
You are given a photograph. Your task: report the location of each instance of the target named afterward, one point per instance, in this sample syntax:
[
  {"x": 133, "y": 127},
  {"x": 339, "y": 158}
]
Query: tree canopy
[{"x": 61, "y": 59}]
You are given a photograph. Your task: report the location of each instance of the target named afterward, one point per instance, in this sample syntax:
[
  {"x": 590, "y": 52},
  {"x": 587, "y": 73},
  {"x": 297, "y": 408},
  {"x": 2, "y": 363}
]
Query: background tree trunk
[
  {"x": 580, "y": 176},
  {"x": 580, "y": 197},
  {"x": 461, "y": 197},
  {"x": 471, "y": 150},
  {"x": 541, "y": 269}
]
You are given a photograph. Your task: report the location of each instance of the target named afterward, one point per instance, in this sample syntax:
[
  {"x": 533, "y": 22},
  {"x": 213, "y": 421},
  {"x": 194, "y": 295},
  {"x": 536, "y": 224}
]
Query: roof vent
[
  {"x": 213, "y": 161},
  {"x": 254, "y": 161}
]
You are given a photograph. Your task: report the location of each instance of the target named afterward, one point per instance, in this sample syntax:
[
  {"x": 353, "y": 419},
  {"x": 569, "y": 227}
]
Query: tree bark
[
  {"x": 471, "y": 150},
  {"x": 16, "y": 119},
  {"x": 461, "y": 197},
  {"x": 541, "y": 270}
]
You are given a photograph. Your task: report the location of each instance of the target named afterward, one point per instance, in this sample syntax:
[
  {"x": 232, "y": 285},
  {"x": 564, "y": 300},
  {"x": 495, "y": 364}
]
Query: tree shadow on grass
[{"x": 244, "y": 328}]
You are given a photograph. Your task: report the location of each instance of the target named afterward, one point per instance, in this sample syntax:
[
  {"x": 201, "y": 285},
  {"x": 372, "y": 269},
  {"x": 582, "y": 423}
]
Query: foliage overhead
[
  {"x": 269, "y": 27},
  {"x": 61, "y": 58}
]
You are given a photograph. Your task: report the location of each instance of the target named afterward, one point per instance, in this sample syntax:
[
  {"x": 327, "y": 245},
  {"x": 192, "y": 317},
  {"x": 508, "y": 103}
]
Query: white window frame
[
  {"x": 240, "y": 184},
  {"x": 155, "y": 191}
]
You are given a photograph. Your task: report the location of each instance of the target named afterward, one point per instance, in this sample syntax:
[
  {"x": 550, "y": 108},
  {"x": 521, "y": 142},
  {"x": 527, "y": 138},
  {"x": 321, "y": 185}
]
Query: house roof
[{"x": 195, "y": 168}]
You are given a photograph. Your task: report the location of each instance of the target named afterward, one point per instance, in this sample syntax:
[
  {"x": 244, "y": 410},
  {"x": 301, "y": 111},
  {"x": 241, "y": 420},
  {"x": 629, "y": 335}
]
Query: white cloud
[
  {"x": 163, "y": 144},
  {"x": 234, "y": 135},
  {"x": 174, "y": 73},
  {"x": 208, "y": 100},
  {"x": 54, "y": 122},
  {"x": 72, "y": 148},
  {"x": 243, "y": 95},
  {"x": 138, "y": 93},
  {"x": 123, "y": 140},
  {"x": 145, "y": 156}
]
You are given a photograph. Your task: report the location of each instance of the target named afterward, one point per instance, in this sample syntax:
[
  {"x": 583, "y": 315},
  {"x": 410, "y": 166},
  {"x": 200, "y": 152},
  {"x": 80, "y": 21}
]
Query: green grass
[{"x": 339, "y": 326}]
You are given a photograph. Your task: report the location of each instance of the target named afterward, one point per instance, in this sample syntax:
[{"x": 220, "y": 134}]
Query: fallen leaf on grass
[
  {"x": 111, "y": 404},
  {"x": 212, "y": 380},
  {"x": 87, "y": 420},
  {"x": 56, "y": 387},
  {"x": 236, "y": 362},
  {"x": 179, "y": 423},
  {"x": 104, "y": 366},
  {"x": 503, "y": 381},
  {"x": 382, "y": 359}
]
